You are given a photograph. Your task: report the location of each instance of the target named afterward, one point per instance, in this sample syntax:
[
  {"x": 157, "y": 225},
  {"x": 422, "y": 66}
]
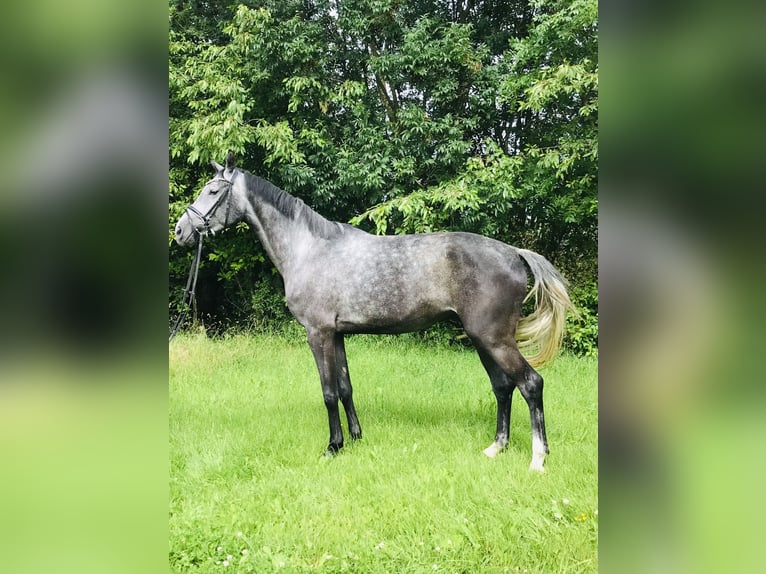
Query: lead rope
[{"x": 189, "y": 299}]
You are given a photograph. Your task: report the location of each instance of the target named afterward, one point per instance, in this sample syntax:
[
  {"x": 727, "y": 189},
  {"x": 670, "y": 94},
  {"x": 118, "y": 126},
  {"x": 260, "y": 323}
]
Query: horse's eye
[{"x": 213, "y": 191}]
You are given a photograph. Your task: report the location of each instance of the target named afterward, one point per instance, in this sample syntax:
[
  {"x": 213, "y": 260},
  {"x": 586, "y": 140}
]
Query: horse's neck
[{"x": 285, "y": 238}]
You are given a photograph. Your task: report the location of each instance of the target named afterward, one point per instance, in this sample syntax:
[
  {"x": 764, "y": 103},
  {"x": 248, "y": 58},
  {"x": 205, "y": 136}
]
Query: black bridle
[
  {"x": 190, "y": 299},
  {"x": 205, "y": 217}
]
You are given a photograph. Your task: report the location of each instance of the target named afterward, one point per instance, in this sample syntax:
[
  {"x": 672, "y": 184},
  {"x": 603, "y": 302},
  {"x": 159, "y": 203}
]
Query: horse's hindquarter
[{"x": 366, "y": 283}]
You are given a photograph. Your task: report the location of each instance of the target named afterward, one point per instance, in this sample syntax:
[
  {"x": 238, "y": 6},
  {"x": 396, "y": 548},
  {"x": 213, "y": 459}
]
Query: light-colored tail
[{"x": 539, "y": 335}]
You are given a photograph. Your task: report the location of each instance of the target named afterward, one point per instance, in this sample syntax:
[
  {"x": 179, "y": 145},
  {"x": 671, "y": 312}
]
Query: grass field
[{"x": 249, "y": 491}]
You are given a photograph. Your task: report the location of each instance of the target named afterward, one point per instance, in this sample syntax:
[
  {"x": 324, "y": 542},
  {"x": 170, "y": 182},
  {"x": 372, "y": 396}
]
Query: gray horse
[{"x": 340, "y": 280}]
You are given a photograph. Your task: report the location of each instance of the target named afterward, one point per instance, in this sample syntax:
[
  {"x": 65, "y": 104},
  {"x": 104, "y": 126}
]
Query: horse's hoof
[
  {"x": 492, "y": 450},
  {"x": 332, "y": 450},
  {"x": 328, "y": 455},
  {"x": 537, "y": 465}
]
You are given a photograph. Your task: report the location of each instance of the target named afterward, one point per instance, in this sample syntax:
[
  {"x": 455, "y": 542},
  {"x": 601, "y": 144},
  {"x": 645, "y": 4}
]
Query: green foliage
[
  {"x": 399, "y": 116},
  {"x": 581, "y": 336},
  {"x": 269, "y": 312}
]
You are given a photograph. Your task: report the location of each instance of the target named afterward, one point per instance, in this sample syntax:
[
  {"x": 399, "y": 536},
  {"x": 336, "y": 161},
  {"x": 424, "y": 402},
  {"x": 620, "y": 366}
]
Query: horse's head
[{"x": 215, "y": 208}]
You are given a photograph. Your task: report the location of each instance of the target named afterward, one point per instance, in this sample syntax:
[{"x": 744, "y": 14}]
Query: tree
[{"x": 397, "y": 115}]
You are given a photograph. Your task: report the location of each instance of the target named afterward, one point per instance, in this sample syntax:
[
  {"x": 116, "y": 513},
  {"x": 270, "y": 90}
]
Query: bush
[
  {"x": 581, "y": 337},
  {"x": 270, "y": 314}
]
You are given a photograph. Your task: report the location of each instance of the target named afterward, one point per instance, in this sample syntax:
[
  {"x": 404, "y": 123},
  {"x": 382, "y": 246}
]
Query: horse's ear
[
  {"x": 217, "y": 166},
  {"x": 230, "y": 160}
]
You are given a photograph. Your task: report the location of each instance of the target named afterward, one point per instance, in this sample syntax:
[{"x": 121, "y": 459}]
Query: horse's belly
[{"x": 394, "y": 318}]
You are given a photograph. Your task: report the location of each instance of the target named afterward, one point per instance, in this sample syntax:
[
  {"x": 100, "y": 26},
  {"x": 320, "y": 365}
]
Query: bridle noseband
[{"x": 205, "y": 217}]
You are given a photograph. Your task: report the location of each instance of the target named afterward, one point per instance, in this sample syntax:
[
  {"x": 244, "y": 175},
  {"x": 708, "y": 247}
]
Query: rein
[{"x": 190, "y": 299}]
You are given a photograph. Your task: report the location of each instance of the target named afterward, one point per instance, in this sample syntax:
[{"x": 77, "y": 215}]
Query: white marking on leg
[
  {"x": 538, "y": 454},
  {"x": 492, "y": 450}
]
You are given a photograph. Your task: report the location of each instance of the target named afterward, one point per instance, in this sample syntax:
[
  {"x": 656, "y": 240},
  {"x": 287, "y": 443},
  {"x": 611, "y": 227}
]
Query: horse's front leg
[
  {"x": 322, "y": 343},
  {"x": 344, "y": 388}
]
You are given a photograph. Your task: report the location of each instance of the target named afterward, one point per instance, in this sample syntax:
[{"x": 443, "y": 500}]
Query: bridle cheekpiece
[{"x": 205, "y": 217}]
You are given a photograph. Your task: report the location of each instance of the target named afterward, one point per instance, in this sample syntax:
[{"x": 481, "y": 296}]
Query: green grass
[{"x": 250, "y": 491}]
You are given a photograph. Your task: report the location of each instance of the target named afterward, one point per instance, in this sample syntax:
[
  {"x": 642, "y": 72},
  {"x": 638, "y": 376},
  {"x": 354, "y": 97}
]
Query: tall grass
[{"x": 251, "y": 493}]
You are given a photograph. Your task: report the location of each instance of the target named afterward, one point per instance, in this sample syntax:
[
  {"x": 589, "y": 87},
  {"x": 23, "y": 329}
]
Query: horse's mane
[{"x": 291, "y": 207}]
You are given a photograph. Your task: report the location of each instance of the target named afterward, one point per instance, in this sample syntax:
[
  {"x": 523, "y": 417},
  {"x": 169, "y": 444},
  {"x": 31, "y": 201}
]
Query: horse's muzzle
[{"x": 185, "y": 234}]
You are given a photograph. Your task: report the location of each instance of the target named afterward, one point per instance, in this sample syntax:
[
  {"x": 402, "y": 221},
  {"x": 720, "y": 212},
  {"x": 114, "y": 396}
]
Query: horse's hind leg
[
  {"x": 531, "y": 387},
  {"x": 505, "y": 357},
  {"x": 503, "y": 389},
  {"x": 344, "y": 388}
]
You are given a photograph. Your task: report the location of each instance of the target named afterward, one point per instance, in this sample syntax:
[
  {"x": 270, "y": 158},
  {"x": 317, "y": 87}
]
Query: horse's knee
[
  {"x": 345, "y": 392},
  {"x": 330, "y": 398}
]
